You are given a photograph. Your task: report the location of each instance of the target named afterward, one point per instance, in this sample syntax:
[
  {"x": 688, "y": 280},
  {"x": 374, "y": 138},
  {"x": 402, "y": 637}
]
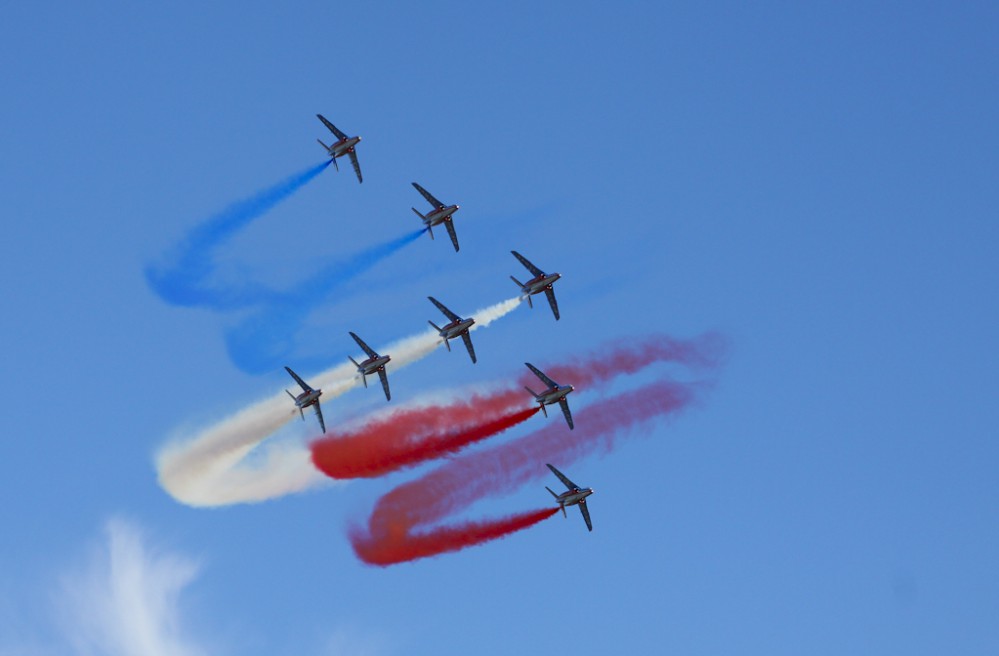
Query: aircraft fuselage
[
  {"x": 440, "y": 215},
  {"x": 372, "y": 365},
  {"x": 305, "y": 399},
  {"x": 541, "y": 283},
  {"x": 553, "y": 395},
  {"x": 573, "y": 497},
  {"x": 456, "y": 328},
  {"x": 342, "y": 147}
]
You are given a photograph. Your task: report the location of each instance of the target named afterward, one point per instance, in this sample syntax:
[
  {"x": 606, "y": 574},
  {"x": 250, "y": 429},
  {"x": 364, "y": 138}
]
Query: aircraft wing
[
  {"x": 384, "y": 378},
  {"x": 530, "y": 267},
  {"x": 537, "y": 372},
  {"x": 448, "y": 313},
  {"x": 452, "y": 234},
  {"x": 338, "y": 133},
  {"x": 465, "y": 337},
  {"x": 367, "y": 349},
  {"x": 357, "y": 165},
  {"x": 300, "y": 382},
  {"x": 586, "y": 513},
  {"x": 565, "y": 411},
  {"x": 562, "y": 477},
  {"x": 429, "y": 196},
  {"x": 550, "y": 293},
  {"x": 319, "y": 416}
]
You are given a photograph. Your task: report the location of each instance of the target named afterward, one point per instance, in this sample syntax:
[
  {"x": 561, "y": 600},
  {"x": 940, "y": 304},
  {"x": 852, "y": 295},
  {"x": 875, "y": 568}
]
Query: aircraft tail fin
[
  {"x": 330, "y": 153},
  {"x": 561, "y": 505},
  {"x": 430, "y": 228},
  {"x": 438, "y": 329},
  {"x": 290, "y": 394},
  {"x": 518, "y": 283},
  {"x": 543, "y": 409}
]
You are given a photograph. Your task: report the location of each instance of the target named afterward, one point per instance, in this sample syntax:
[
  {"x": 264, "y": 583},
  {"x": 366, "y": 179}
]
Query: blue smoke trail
[
  {"x": 183, "y": 281},
  {"x": 266, "y": 340}
]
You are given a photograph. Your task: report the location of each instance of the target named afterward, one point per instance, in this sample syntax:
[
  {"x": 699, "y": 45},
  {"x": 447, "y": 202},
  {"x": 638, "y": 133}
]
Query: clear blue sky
[{"x": 818, "y": 183}]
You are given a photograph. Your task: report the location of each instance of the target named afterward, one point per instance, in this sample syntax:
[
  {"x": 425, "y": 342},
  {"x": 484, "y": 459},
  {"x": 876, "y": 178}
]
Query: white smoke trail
[{"x": 214, "y": 467}]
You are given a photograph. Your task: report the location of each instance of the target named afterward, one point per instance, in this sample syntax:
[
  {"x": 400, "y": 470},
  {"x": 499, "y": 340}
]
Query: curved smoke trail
[
  {"x": 182, "y": 281},
  {"x": 407, "y": 436},
  {"x": 403, "y": 525},
  {"x": 219, "y": 465},
  {"x": 265, "y": 339}
]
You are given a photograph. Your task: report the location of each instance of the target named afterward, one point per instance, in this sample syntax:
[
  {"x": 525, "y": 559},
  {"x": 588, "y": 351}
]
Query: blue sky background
[{"x": 818, "y": 183}]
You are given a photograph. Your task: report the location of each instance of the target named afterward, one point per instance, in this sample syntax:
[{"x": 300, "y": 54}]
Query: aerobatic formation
[{"x": 228, "y": 462}]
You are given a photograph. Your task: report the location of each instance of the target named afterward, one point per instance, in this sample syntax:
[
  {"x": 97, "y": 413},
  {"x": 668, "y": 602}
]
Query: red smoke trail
[
  {"x": 402, "y": 545},
  {"x": 407, "y": 437},
  {"x": 357, "y": 456},
  {"x": 634, "y": 354},
  {"x": 391, "y": 534}
]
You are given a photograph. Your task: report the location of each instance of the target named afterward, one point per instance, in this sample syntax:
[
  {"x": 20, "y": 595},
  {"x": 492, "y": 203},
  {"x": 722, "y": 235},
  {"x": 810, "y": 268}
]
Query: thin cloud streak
[{"x": 128, "y": 600}]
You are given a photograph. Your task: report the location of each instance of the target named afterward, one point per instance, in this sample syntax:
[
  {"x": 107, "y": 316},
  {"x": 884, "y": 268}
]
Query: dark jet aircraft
[
  {"x": 308, "y": 397},
  {"x": 457, "y": 328},
  {"x": 541, "y": 282},
  {"x": 554, "y": 394},
  {"x": 374, "y": 364},
  {"x": 574, "y": 496},
  {"x": 344, "y": 145},
  {"x": 440, "y": 214}
]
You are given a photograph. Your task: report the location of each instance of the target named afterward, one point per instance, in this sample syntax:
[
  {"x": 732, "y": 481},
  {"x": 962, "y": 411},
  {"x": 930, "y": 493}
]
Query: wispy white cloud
[
  {"x": 125, "y": 602},
  {"x": 127, "y": 598}
]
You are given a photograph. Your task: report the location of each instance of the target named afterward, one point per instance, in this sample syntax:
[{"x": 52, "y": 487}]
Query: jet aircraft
[
  {"x": 344, "y": 145},
  {"x": 554, "y": 394},
  {"x": 374, "y": 364},
  {"x": 440, "y": 214},
  {"x": 574, "y": 496},
  {"x": 308, "y": 397},
  {"x": 457, "y": 327},
  {"x": 541, "y": 282}
]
